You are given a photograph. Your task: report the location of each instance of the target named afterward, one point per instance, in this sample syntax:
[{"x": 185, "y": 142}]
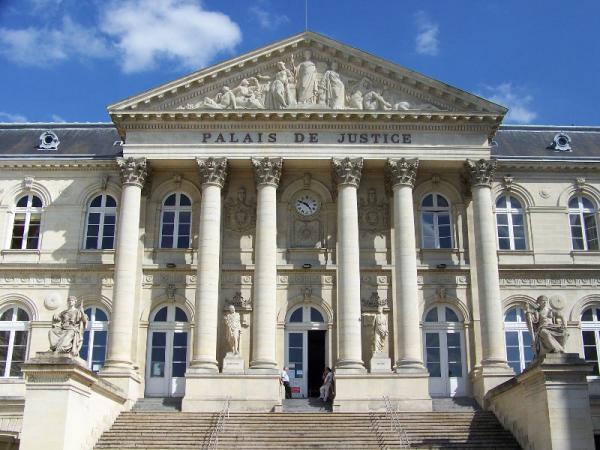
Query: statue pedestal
[
  {"x": 380, "y": 363},
  {"x": 233, "y": 363},
  {"x": 67, "y": 407}
]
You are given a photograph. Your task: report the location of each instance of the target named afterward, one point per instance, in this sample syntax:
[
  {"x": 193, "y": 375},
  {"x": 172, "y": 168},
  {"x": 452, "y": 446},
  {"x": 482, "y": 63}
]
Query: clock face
[{"x": 306, "y": 204}]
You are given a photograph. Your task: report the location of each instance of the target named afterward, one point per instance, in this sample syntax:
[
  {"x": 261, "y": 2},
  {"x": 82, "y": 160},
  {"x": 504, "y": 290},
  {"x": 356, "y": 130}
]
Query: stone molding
[
  {"x": 401, "y": 172},
  {"x": 481, "y": 172},
  {"x": 213, "y": 171},
  {"x": 134, "y": 171},
  {"x": 267, "y": 170},
  {"x": 347, "y": 170}
]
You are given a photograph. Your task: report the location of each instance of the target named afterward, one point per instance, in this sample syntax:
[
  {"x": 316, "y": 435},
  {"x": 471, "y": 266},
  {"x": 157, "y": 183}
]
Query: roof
[
  {"x": 75, "y": 140},
  {"x": 536, "y": 142}
]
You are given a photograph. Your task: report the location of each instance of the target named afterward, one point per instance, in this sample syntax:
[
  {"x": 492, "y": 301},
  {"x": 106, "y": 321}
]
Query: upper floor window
[
  {"x": 26, "y": 226},
  {"x": 435, "y": 222},
  {"x": 518, "y": 339},
  {"x": 582, "y": 217},
  {"x": 510, "y": 223},
  {"x": 101, "y": 223},
  {"x": 176, "y": 221},
  {"x": 590, "y": 333},
  {"x": 14, "y": 329},
  {"x": 93, "y": 350}
]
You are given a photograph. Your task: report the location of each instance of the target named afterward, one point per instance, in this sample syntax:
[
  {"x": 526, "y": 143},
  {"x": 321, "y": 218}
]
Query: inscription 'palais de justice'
[{"x": 306, "y": 138}]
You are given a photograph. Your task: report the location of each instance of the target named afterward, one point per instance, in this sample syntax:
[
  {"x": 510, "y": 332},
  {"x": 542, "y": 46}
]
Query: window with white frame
[
  {"x": 95, "y": 337},
  {"x": 518, "y": 339},
  {"x": 101, "y": 223},
  {"x": 176, "y": 221},
  {"x": 510, "y": 223},
  {"x": 14, "y": 331},
  {"x": 590, "y": 333},
  {"x": 435, "y": 222},
  {"x": 582, "y": 218},
  {"x": 27, "y": 223}
]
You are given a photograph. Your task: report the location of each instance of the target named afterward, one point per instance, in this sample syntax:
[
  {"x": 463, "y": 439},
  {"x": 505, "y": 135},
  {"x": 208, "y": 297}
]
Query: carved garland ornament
[
  {"x": 347, "y": 170},
  {"x": 267, "y": 170},
  {"x": 213, "y": 171},
  {"x": 134, "y": 171},
  {"x": 481, "y": 173},
  {"x": 401, "y": 172}
]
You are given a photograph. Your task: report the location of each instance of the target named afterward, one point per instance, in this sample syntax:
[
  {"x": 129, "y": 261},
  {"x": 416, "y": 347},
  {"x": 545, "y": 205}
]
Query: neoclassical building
[{"x": 315, "y": 188}]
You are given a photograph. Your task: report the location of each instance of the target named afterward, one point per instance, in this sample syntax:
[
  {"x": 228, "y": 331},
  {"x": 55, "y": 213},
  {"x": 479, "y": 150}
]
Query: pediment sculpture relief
[{"x": 308, "y": 84}]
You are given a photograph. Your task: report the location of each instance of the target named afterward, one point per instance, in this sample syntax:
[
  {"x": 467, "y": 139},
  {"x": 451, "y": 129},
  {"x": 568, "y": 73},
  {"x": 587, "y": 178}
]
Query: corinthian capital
[
  {"x": 133, "y": 171},
  {"x": 401, "y": 172},
  {"x": 267, "y": 170},
  {"x": 213, "y": 170},
  {"x": 347, "y": 170},
  {"x": 481, "y": 173}
]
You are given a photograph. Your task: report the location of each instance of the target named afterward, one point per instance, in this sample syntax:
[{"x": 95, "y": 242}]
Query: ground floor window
[
  {"x": 14, "y": 337},
  {"x": 590, "y": 333},
  {"x": 518, "y": 339}
]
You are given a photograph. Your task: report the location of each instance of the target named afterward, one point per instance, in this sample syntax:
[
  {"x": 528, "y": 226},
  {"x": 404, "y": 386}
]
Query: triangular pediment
[{"x": 306, "y": 72}]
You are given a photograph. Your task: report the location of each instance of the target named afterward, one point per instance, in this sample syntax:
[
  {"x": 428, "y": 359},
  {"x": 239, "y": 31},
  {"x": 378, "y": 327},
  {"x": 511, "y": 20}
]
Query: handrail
[
  {"x": 213, "y": 442},
  {"x": 395, "y": 425}
]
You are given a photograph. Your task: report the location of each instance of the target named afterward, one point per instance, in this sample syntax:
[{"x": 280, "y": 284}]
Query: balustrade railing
[
  {"x": 213, "y": 441},
  {"x": 395, "y": 425}
]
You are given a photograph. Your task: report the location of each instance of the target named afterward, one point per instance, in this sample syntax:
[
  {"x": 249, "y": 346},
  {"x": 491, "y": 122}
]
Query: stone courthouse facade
[{"x": 322, "y": 192}]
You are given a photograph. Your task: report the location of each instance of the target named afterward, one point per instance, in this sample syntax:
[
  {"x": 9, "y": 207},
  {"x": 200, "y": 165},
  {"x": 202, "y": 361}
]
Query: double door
[
  {"x": 305, "y": 358},
  {"x": 444, "y": 356},
  {"x": 166, "y": 363}
]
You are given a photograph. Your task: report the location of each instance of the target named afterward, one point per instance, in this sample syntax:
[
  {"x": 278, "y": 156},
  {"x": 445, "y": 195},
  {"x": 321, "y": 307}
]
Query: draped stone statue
[
  {"x": 333, "y": 89},
  {"x": 380, "y": 330},
  {"x": 306, "y": 80},
  {"x": 547, "y": 328},
  {"x": 247, "y": 94},
  {"x": 277, "y": 94},
  {"x": 66, "y": 335},
  {"x": 223, "y": 100},
  {"x": 233, "y": 330}
]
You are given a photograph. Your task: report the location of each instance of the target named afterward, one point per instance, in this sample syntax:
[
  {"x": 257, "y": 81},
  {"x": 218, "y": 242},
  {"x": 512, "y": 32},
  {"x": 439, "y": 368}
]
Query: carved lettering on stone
[{"x": 240, "y": 213}]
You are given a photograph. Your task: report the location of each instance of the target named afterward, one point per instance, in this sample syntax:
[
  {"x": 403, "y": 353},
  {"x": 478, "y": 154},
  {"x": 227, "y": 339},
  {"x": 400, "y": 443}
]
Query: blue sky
[{"x": 66, "y": 60}]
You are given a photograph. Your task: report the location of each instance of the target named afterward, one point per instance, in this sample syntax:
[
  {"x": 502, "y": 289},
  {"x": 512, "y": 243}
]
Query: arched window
[
  {"x": 590, "y": 331},
  {"x": 510, "y": 223},
  {"x": 444, "y": 340},
  {"x": 518, "y": 339},
  {"x": 435, "y": 222},
  {"x": 176, "y": 221},
  {"x": 101, "y": 223},
  {"x": 582, "y": 217},
  {"x": 26, "y": 226},
  {"x": 14, "y": 330},
  {"x": 94, "y": 338}
]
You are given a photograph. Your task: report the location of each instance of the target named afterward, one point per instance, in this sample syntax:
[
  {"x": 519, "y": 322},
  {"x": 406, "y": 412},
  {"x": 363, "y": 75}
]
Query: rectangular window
[{"x": 590, "y": 352}]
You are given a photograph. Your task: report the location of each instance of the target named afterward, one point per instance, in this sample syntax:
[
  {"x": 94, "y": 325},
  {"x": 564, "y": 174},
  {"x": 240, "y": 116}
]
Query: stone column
[
  {"x": 346, "y": 174},
  {"x": 213, "y": 172},
  {"x": 400, "y": 176},
  {"x": 267, "y": 172},
  {"x": 134, "y": 173},
  {"x": 492, "y": 322}
]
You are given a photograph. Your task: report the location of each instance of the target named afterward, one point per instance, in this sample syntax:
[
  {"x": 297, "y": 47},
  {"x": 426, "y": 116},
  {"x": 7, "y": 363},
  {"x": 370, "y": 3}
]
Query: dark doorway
[{"x": 316, "y": 361}]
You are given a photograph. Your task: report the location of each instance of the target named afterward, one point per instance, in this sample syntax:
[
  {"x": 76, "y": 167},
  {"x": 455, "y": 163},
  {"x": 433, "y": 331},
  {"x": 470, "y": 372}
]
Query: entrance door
[
  {"x": 166, "y": 360},
  {"x": 444, "y": 356},
  {"x": 305, "y": 350}
]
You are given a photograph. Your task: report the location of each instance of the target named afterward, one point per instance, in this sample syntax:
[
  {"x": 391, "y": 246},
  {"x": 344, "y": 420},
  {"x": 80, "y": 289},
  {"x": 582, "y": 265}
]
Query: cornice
[
  {"x": 29, "y": 163},
  {"x": 549, "y": 166}
]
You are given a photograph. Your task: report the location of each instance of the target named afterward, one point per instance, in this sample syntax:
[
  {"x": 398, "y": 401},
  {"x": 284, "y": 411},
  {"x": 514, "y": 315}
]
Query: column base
[
  {"x": 350, "y": 366},
  {"x": 200, "y": 366},
  {"x": 487, "y": 376},
  {"x": 410, "y": 367},
  {"x": 264, "y": 366}
]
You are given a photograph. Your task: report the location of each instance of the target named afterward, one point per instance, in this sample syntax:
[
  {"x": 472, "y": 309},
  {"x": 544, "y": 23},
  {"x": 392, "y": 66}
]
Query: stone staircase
[{"x": 143, "y": 429}]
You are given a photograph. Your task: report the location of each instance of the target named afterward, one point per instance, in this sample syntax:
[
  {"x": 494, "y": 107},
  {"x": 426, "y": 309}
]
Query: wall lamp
[
  {"x": 171, "y": 265},
  {"x": 441, "y": 266},
  {"x": 306, "y": 266}
]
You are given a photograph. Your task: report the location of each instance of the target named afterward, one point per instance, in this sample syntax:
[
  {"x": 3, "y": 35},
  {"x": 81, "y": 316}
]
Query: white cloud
[
  {"x": 180, "y": 31},
  {"x": 47, "y": 45},
  {"x": 427, "y": 41},
  {"x": 57, "y": 118},
  {"x": 516, "y": 99},
  {"x": 9, "y": 117},
  {"x": 267, "y": 19}
]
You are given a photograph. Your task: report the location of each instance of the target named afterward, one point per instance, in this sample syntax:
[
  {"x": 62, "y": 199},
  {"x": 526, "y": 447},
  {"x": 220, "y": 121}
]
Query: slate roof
[
  {"x": 533, "y": 142},
  {"x": 76, "y": 141}
]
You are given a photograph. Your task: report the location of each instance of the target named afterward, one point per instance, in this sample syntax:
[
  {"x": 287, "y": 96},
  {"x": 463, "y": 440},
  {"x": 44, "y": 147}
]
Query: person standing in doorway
[
  {"x": 327, "y": 380},
  {"x": 285, "y": 380}
]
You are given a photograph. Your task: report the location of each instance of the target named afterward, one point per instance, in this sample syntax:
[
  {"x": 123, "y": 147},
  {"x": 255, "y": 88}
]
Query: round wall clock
[{"x": 306, "y": 204}]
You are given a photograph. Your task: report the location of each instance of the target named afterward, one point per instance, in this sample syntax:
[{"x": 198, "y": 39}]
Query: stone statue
[
  {"x": 277, "y": 94},
  {"x": 247, "y": 94},
  {"x": 333, "y": 89},
  {"x": 233, "y": 330},
  {"x": 380, "y": 330},
  {"x": 66, "y": 335},
  {"x": 547, "y": 327},
  {"x": 223, "y": 100},
  {"x": 306, "y": 80}
]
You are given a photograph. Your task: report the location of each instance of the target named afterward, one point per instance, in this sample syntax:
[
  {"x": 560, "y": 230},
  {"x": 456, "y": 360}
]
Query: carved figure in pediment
[
  {"x": 332, "y": 89},
  {"x": 66, "y": 334},
  {"x": 223, "y": 100},
  {"x": 547, "y": 326},
  {"x": 375, "y": 101},
  {"x": 277, "y": 94},
  {"x": 306, "y": 80},
  {"x": 248, "y": 94},
  {"x": 239, "y": 213},
  {"x": 373, "y": 214}
]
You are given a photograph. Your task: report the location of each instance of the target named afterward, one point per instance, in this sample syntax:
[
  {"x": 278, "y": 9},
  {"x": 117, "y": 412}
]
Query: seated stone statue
[
  {"x": 66, "y": 335},
  {"x": 547, "y": 328}
]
